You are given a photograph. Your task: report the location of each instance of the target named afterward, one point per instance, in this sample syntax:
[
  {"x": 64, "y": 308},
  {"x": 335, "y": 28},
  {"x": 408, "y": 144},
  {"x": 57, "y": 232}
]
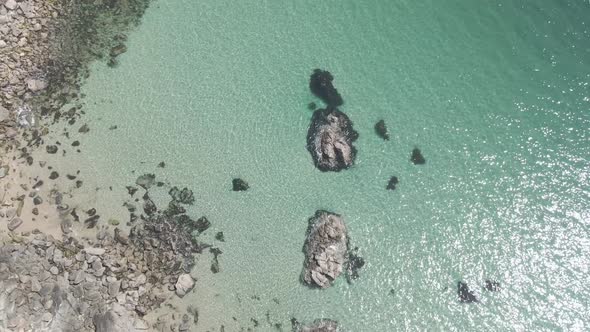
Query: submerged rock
[
  {"x": 329, "y": 140},
  {"x": 239, "y": 185},
  {"x": 320, "y": 84},
  {"x": 51, "y": 149},
  {"x": 381, "y": 130},
  {"x": 465, "y": 294},
  {"x": 492, "y": 286},
  {"x": 318, "y": 325},
  {"x": 417, "y": 157},
  {"x": 325, "y": 249},
  {"x": 393, "y": 181},
  {"x": 353, "y": 265}
]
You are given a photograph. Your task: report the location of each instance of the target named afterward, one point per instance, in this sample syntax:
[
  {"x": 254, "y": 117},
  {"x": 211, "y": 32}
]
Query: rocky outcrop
[
  {"x": 318, "y": 325},
  {"x": 320, "y": 84},
  {"x": 329, "y": 140},
  {"x": 239, "y": 185},
  {"x": 393, "y": 181},
  {"x": 325, "y": 249}
]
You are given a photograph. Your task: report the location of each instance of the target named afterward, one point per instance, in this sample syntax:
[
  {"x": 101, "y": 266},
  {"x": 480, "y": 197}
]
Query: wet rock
[
  {"x": 38, "y": 184},
  {"x": 184, "y": 284},
  {"x": 393, "y": 181},
  {"x": 381, "y": 130},
  {"x": 239, "y": 185},
  {"x": 146, "y": 181},
  {"x": 325, "y": 249},
  {"x": 91, "y": 212},
  {"x": 131, "y": 190},
  {"x": 312, "y": 106},
  {"x": 162, "y": 164},
  {"x": 37, "y": 200},
  {"x": 76, "y": 143},
  {"x": 184, "y": 196},
  {"x": 319, "y": 325},
  {"x": 54, "y": 175},
  {"x": 492, "y": 286},
  {"x": 320, "y": 84},
  {"x": 465, "y": 294},
  {"x": 51, "y": 149},
  {"x": 417, "y": 157},
  {"x": 329, "y": 140},
  {"x": 14, "y": 223},
  {"x": 84, "y": 129}
]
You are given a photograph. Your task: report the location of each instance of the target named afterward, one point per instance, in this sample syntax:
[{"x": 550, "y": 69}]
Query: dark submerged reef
[
  {"x": 417, "y": 158},
  {"x": 381, "y": 130},
  {"x": 465, "y": 294},
  {"x": 320, "y": 84}
]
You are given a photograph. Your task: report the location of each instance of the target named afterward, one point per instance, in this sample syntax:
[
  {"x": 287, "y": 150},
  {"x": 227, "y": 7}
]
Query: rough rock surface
[
  {"x": 329, "y": 140},
  {"x": 325, "y": 249},
  {"x": 465, "y": 294},
  {"x": 320, "y": 84}
]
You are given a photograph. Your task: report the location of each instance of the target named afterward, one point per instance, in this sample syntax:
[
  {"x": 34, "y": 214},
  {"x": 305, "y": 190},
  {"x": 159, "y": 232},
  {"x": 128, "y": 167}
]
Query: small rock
[
  {"x": 94, "y": 251},
  {"x": 37, "y": 200},
  {"x": 84, "y": 129},
  {"x": 51, "y": 149},
  {"x": 54, "y": 270},
  {"x": 10, "y": 4},
  {"x": 146, "y": 181},
  {"x": 36, "y": 85},
  {"x": 54, "y": 175},
  {"x": 14, "y": 223},
  {"x": 184, "y": 284},
  {"x": 465, "y": 294},
  {"x": 140, "y": 324},
  {"x": 118, "y": 50},
  {"x": 4, "y": 113},
  {"x": 417, "y": 157},
  {"x": 240, "y": 185},
  {"x": 4, "y": 171},
  {"x": 392, "y": 183},
  {"x": 219, "y": 237},
  {"x": 492, "y": 286}
]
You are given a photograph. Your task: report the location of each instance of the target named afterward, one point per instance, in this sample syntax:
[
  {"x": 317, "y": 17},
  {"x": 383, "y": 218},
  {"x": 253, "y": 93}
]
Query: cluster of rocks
[
  {"x": 46, "y": 284},
  {"x": 327, "y": 252},
  {"x": 466, "y": 295}
]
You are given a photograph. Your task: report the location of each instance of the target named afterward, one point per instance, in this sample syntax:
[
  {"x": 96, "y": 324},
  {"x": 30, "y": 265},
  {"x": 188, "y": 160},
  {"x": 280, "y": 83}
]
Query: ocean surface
[{"x": 495, "y": 94}]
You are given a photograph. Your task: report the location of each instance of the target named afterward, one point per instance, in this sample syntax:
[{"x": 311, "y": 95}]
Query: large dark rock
[
  {"x": 318, "y": 325},
  {"x": 381, "y": 130},
  {"x": 465, "y": 294},
  {"x": 321, "y": 85},
  {"x": 325, "y": 249},
  {"x": 329, "y": 140}
]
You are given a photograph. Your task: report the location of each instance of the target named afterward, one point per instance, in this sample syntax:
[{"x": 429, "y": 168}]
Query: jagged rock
[
  {"x": 329, "y": 140},
  {"x": 239, "y": 185},
  {"x": 184, "y": 284},
  {"x": 325, "y": 249},
  {"x": 417, "y": 157},
  {"x": 393, "y": 181},
  {"x": 465, "y": 294},
  {"x": 318, "y": 325},
  {"x": 381, "y": 130},
  {"x": 321, "y": 85},
  {"x": 492, "y": 286},
  {"x": 146, "y": 181},
  {"x": 36, "y": 85}
]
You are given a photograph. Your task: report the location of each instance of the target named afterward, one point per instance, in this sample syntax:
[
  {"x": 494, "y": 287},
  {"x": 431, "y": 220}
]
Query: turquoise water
[{"x": 495, "y": 94}]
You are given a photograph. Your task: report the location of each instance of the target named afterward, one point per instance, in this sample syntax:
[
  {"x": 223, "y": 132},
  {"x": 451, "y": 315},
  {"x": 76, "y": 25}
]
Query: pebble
[
  {"x": 14, "y": 224},
  {"x": 10, "y": 4},
  {"x": 54, "y": 270},
  {"x": 94, "y": 251}
]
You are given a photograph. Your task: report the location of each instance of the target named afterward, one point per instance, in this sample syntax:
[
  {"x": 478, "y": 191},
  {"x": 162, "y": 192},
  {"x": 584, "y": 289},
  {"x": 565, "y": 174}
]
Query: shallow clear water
[{"x": 495, "y": 94}]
